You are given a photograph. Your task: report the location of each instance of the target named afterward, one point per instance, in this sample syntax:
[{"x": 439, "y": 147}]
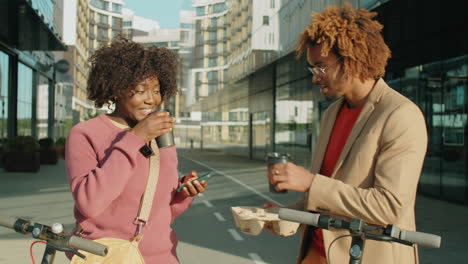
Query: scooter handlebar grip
[
  {"x": 298, "y": 216},
  {"x": 7, "y": 221},
  {"x": 420, "y": 238},
  {"x": 87, "y": 245}
]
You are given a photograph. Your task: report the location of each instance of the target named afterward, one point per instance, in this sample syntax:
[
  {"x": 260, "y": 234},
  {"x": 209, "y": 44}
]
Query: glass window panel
[
  {"x": 4, "y": 73},
  {"x": 25, "y": 88},
  {"x": 42, "y": 107}
]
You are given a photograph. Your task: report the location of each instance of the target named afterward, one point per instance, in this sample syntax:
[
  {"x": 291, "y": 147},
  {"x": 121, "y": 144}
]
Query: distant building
[
  {"x": 136, "y": 26},
  {"x": 211, "y": 50}
]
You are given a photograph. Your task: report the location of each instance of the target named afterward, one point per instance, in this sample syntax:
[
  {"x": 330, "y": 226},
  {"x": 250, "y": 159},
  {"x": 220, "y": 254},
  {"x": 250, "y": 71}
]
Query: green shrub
[
  {"x": 60, "y": 141},
  {"x": 46, "y": 143}
]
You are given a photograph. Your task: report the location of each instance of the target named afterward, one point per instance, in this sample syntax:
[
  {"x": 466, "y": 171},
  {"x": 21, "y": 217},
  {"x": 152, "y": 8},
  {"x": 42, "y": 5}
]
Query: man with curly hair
[
  {"x": 107, "y": 170},
  {"x": 371, "y": 146}
]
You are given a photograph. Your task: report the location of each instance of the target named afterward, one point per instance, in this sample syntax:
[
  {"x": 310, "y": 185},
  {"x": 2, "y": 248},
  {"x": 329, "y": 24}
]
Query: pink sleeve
[
  {"x": 179, "y": 204},
  {"x": 94, "y": 186}
]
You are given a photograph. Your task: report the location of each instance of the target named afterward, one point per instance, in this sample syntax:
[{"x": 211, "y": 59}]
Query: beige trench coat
[{"x": 375, "y": 178}]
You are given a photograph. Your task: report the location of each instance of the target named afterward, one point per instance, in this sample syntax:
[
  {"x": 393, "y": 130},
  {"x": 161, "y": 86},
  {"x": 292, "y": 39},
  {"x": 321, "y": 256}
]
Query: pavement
[{"x": 44, "y": 197}]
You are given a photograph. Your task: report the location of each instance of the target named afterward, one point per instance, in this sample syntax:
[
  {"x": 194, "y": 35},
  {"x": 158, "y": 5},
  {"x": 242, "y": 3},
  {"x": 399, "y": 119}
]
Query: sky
[{"x": 166, "y": 12}]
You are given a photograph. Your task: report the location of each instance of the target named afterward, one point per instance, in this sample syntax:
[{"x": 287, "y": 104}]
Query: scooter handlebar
[
  {"x": 68, "y": 241},
  {"x": 299, "y": 216},
  {"x": 87, "y": 245},
  {"x": 7, "y": 221},
  {"x": 414, "y": 237},
  {"x": 419, "y": 238}
]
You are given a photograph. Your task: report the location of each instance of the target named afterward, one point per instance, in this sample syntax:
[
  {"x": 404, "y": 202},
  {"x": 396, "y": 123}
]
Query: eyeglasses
[{"x": 320, "y": 71}]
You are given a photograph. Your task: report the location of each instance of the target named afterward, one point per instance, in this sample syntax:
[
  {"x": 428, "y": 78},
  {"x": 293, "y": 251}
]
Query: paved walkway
[{"x": 44, "y": 197}]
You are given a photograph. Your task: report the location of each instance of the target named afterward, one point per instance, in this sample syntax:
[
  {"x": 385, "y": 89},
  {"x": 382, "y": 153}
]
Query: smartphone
[{"x": 201, "y": 178}]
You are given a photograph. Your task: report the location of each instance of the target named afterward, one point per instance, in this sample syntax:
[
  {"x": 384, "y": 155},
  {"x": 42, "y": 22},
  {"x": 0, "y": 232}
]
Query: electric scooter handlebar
[
  {"x": 45, "y": 233},
  {"x": 322, "y": 221}
]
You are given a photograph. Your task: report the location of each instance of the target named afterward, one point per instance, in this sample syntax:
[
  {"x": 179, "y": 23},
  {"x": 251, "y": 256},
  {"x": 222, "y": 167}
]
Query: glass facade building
[
  {"x": 439, "y": 88},
  {"x": 27, "y": 67}
]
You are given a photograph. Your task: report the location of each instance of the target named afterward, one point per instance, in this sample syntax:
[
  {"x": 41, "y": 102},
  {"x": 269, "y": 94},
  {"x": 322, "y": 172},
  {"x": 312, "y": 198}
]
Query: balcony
[
  {"x": 210, "y": 28},
  {"x": 103, "y": 25},
  {"x": 102, "y": 38},
  {"x": 213, "y": 54}
]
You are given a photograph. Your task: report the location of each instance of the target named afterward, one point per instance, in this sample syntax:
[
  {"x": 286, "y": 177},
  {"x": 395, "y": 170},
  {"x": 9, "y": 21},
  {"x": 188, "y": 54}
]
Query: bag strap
[{"x": 148, "y": 196}]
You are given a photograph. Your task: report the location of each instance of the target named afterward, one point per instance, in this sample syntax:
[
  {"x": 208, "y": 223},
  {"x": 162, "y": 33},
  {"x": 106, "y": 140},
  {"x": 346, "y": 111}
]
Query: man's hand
[
  {"x": 192, "y": 186},
  {"x": 288, "y": 176}
]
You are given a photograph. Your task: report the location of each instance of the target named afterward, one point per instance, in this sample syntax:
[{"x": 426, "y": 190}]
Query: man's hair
[
  {"x": 352, "y": 34},
  {"x": 119, "y": 67}
]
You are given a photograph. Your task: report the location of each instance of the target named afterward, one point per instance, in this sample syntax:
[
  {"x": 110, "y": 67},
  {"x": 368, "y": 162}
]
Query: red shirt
[{"x": 341, "y": 129}]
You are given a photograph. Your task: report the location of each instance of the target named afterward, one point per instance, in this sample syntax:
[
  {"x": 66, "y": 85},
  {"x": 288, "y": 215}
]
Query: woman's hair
[
  {"x": 119, "y": 67},
  {"x": 352, "y": 34}
]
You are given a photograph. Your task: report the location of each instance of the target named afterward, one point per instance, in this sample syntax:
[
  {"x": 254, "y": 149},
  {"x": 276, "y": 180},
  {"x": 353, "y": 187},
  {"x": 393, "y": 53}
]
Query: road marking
[
  {"x": 236, "y": 181},
  {"x": 54, "y": 189},
  {"x": 219, "y": 217},
  {"x": 235, "y": 235},
  {"x": 207, "y": 203},
  {"x": 256, "y": 258}
]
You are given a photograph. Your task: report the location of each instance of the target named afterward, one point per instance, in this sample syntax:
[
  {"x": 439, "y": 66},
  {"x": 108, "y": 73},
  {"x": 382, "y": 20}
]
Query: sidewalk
[
  {"x": 448, "y": 220},
  {"x": 44, "y": 197}
]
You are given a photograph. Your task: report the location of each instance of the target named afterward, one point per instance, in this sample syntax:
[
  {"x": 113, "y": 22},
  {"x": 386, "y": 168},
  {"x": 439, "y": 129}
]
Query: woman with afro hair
[
  {"x": 106, "y": 168},
  {"x": 372, "y": 142}
]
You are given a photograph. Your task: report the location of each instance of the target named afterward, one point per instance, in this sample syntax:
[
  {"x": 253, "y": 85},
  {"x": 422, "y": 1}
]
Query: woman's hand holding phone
[{"x": 192, "y": 185}]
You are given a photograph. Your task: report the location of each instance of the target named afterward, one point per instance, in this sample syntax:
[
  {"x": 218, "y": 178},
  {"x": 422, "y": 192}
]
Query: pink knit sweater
[{"x": 107, "y": 176}]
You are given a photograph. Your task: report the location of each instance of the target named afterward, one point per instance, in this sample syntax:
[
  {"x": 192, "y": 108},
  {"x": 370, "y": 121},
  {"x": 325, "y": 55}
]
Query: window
[
  {"x": 42, "y": 107},
  {"x": 102, "y": 33},
  {"x": 213, "y": 76},
  {"x": 272, "y": 3},
  {"x": 115, "y": 33},
  {"x": 127, "y": 23},
  {"x": 266, "y": 20},
  {"x": 117, "y": 22},
  {"x": 162, "y": 44},
  {"x": 116, "y": 8},
  {"x": 4, "y": 73},
  {"x": 212, "y": 62},
  {"x": 211, "y": 88},
  {"x": 184, "y": 36},
  {"x": 25, "y": 89},
  {"x": 100, "y": 4},
  {"x": 213, "y": 48},
  {"x": 219, "y": 7},
  {"x": 212, "y": 36},
  {"x": 200, "y": 10},
  {"x": 103, "y": 19}
]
